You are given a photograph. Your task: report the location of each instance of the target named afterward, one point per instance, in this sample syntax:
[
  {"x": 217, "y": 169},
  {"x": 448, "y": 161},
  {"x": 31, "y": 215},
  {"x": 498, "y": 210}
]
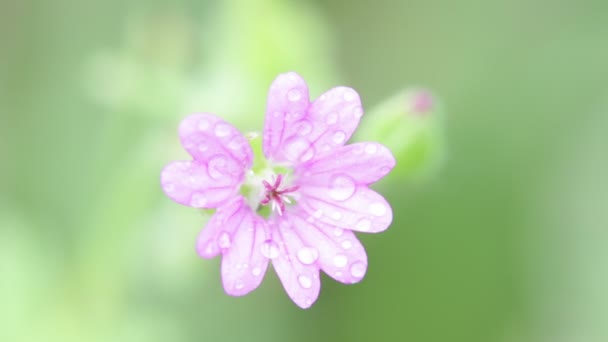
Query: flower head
[{"x": 299, "y": 206}]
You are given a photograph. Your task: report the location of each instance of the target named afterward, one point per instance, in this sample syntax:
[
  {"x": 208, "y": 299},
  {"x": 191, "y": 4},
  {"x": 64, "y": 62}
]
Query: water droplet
[
  {"x": 358, "y": 112},
  {"x": 346, "y": 244},
  {"x": 198, "y": 201},
  {"x": 297, "y": 147},
  {"x": 338, "y": 137},
  {"x": 239, "y": 284},
  {"x": 371, "y": 148},
  {"x": 318, "y": 213},
  {"x": 270, "y": 249},
  {"x": 304, "y": 128},
  {"x": 222, "y": 130},
  {"x": 342, "y": 187},
  {"x": 235, "y": 143},
  {"x": 349, "y": 95},
  {"x": 217, "y": 167},
  {"x": 239, "y": 266},
  {"x": 336, "y": 215},
  {"x": 331, "y": 118},
  {"x": 224, "y": 240},
  {"x": 305, "y": 281},
  {"x": 384, "y": 170},
  {"x": 363, "y": 225},
  {"x": 308, "y": 302},
  {"x": 294, "y": 95},
  {"x": 307, "y": 156},
  {"x": 338, "y": 231},
  {"x": 210, "y": 249},
  {"x": 338, "y": 274},
  {"x": 357, "y": 269},
  {"x": 169, "y": 188},
  {"x": 276, "y": 114},
  {"x": 203, "y": 147},
  {"x": 203, "y": 125},
  {"x": 292, "y": 76},
  {"x": 340, "y": 260},
  {"x": 377, "y": 209},
  {"x": 256, "y": 271},
  {"x": 323, "y": 97},
  {"x": 308, "y": 255}
]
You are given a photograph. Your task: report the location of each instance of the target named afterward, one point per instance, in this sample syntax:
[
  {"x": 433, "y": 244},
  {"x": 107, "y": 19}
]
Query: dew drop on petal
[
  {"x": 377, "y": 209},
  {"x": 239, "y": 284},
  {"x": 358, "y": 112},
  {"x": 256, "y": 271},
  {"x": 294, "y": 95},
  {"x": 270, "y": 249},
  {"x": 342, "y": 187},
  {"x": 338, "y": 137},
  {"x": 203, "y": 125},
  {"x": 338, "y": 231},
  {"x": 304, "y": 128},
  {"x": 224, "y": 240},
  {"x": 305, "y": 281},
  {"x": 297, "y": 147},
  {"x": 371, "y": 148},
  {"x": 331, "y": 118},
  {"x": 346, "y": 244},
  {"x": 221, "y": 130},
  {"x": 357, "y": 269},
  {"x": 203, "y": 147},
  {"x": 216, "y": 166},
  {"x": 198, "y": 201},
  {"x": 308, "y": 255},
  {"x": 349, "y": 95},
  {"x": 336, "y": 215},
  {"x": 340, "y": 260},
  {"x": 363, "y": 225},
  {"x": 307, "y": 155},
  {"x": 235, "y": 143},
  {"x": 169, "y": 188},
  {"x": 318, "y": 213}
]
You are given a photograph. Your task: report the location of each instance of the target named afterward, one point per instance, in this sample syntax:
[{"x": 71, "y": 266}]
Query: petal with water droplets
[
  {"x": 340, "y": 253},
  {"x": 220, "y": 157},
  {"x": 287, "y": 104},
  {"x": 300, "y": 279},
  {"x": 365, "y": 210},
  {"x": 218, "y": 234},
  {"x": 364, "y": 163},
  {"x": 243, "y": 265}
]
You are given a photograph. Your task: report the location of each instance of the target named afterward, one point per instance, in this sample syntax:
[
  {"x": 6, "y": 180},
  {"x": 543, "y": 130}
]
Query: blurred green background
[{"x": 508, "y": 242}]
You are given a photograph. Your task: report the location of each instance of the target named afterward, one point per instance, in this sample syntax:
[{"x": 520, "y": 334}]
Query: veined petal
[
  {"x": 296, "y": 131},
  {"x": 360, "y": 209},
  {"x": 238, "y": 233},
  {"x": 190, "y": 183},
  {"x": 356, "y": 164},
  {"x": 300, "y": 280},
  {"x": 221, "y": 156},
  {"x": 286, "y": 106},
  {"x": 338, "y": 251},
  {"x": 206, "y": 137}
]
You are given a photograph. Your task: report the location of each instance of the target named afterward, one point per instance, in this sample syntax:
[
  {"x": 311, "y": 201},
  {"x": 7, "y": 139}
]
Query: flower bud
[{"x": 410, "y": 125}]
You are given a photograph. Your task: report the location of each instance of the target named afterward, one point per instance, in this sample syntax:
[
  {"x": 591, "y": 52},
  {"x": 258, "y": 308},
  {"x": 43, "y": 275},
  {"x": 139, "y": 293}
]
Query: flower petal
[
  {"x": 190, "y": 183},
  {"x": 356, "y": 164},
  {"x": 287, "y": 103},
  {"x": 205, "y": 137},
  {"x": 221, "y": 156},
  {"x": 238, "y": 233},
  {"x": 301, "y": 281},
  {"x": 296, "y": 131},
  {"x": 243, "y": 265},
  {"x": 339, "y": 252},
  {"x": 360, "y": 209}
]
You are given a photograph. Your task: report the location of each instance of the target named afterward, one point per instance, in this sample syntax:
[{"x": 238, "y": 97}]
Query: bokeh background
[{"x": 506, "y": 242}]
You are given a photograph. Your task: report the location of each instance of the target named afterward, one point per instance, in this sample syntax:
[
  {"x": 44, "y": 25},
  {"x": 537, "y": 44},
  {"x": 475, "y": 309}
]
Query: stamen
[{"x": 276, "y": 195}]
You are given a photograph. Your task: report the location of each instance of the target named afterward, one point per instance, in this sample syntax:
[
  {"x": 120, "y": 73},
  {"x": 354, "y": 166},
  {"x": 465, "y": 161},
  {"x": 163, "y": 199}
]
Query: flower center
[{"x": 276, "y": 195}]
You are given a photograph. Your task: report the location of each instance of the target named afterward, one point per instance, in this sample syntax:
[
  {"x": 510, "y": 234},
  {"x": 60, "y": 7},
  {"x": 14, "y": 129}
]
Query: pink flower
[{"x": 300, "y": 206}]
